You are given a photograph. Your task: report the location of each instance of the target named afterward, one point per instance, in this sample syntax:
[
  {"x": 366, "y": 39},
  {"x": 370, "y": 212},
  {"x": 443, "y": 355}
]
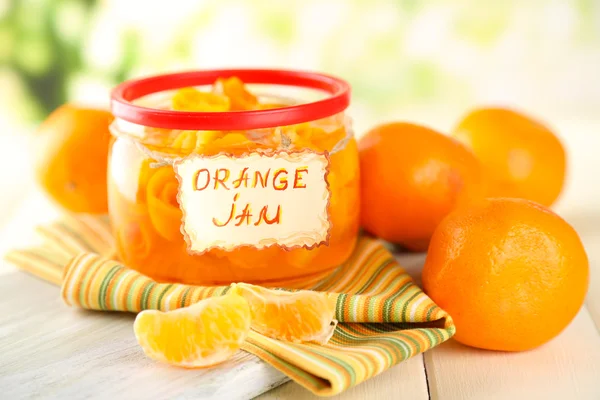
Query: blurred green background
[{"x": 404, "y": 58}]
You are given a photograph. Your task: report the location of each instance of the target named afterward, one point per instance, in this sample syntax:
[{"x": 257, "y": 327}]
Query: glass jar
[{"x": 153, "y": 133}]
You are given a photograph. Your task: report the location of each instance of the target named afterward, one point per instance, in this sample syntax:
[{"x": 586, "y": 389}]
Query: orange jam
[{"x": 143, "y": 188}]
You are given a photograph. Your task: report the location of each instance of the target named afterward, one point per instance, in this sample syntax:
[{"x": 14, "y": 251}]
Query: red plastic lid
[{"x": 125, "y": 93}]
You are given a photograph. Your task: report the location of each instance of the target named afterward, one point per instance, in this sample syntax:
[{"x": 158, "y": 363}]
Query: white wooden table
[{"x": 60, "y": 361}]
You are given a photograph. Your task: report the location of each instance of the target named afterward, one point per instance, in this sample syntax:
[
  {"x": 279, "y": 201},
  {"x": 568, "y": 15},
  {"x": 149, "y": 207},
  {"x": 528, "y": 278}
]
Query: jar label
[{"x": 256, "y": 199}]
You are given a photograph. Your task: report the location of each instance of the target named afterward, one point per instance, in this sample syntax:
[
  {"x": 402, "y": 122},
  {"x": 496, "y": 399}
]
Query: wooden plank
[
  {"x": 581, "y": 195},
  {"x": 588, "y": 226},
  {"x": 51, "y": 351},
  {"x": 565, "y": 368}
]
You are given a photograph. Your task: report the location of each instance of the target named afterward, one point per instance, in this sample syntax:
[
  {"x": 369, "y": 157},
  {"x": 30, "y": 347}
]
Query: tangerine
[
  {"x": 71, "y": 164},
  {"x": 520, "y": 156},
  {"x": 512, "y": 273},
  {"x": 411, "y": 178}
]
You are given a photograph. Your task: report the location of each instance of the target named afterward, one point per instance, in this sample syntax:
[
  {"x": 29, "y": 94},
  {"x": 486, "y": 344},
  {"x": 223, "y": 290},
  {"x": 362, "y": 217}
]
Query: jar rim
[{"x": 124, "y": 94}]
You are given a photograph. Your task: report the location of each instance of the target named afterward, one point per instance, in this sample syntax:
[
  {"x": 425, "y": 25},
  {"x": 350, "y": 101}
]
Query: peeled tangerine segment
[
  {"x": 201, "y": 335},
  {"x": 302, "y": 316}
]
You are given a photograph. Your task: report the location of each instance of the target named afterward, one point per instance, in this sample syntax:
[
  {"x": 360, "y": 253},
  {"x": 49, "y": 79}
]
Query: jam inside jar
[{"x": 166, "y": 118}]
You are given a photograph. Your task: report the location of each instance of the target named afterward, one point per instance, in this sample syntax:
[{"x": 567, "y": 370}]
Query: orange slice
[
  {"x": 204, "y": 334},
  {"x": 302, "y": 316}
]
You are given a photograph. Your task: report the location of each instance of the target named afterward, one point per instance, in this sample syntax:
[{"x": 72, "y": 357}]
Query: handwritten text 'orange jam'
[{"x": 220, "y": 179}]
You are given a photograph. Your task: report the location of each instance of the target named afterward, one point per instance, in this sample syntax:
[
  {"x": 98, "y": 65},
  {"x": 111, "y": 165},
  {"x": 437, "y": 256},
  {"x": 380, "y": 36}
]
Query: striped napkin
[{"x": 384, "y": 317}]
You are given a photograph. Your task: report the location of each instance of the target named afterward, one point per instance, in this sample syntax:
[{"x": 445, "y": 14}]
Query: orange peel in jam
[
  {"x": 235, "y": 90},
  {"x": 301, "y": 316},
  {"x": 195, "y": 140},
  {"x": 204, "y": 334},
  {"x": 161, "y": 196},
  {"x": 232, "y": 141},
  {"x": 145, "y": 173},
  {"x": 133, "y": 241},
  {"x": 191, "y": 99}
]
